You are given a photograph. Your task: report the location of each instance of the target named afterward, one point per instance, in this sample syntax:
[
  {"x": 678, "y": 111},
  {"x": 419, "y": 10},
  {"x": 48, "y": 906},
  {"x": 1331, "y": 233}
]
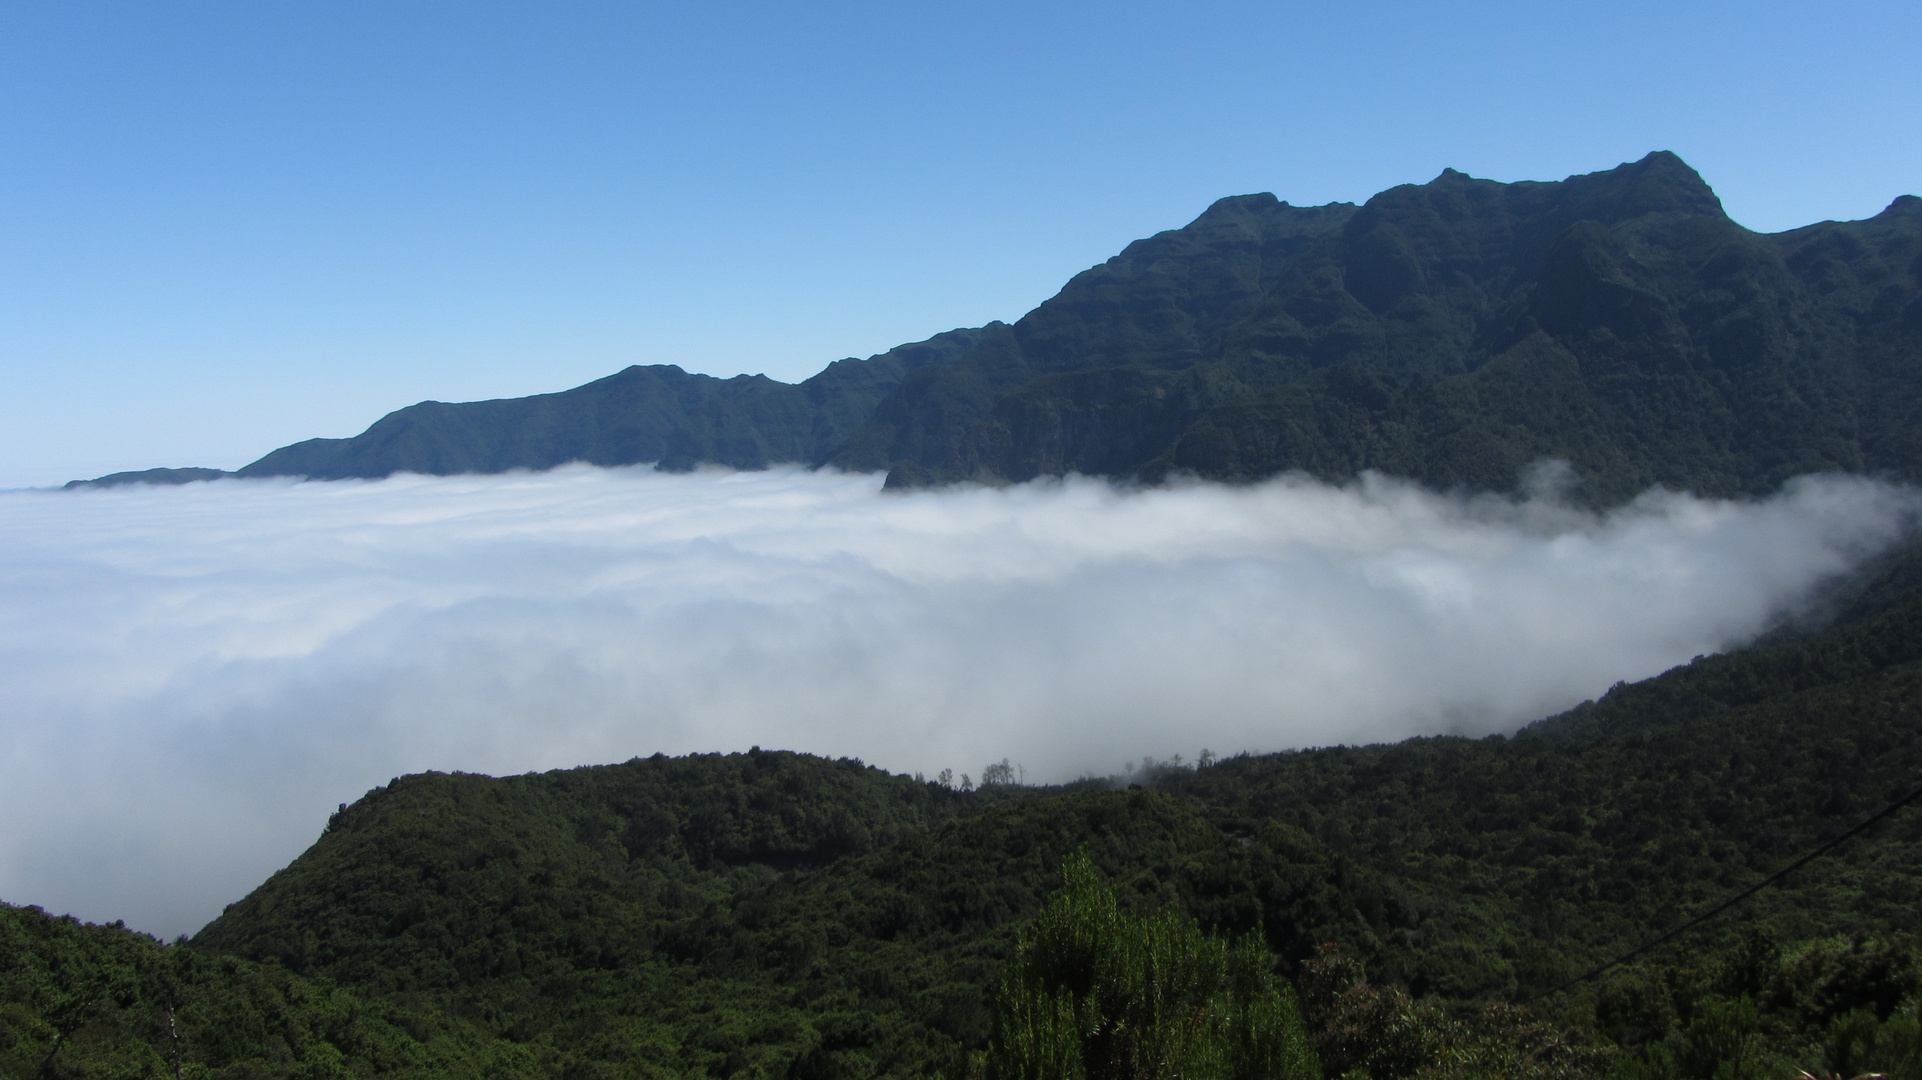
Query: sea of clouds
[{"x": 192, "y": 677}]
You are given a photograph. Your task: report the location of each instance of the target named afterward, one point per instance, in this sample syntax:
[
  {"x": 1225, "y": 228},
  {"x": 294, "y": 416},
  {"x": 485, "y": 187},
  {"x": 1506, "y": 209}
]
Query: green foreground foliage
[
  {"x": 1098, "y": 992},
  {"x": 1844, "y": 1006},
  {"x": 770, "y": 914}
]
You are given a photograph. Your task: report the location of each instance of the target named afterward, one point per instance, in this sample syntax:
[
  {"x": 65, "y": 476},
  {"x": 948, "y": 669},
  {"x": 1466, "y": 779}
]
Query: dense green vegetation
[
  {"x": 774, "y": 914},
  {"x": 521, "y": 901},
  {"x": 79, "y": 1000},
  {"x": 1586, "y": 829},
  {"x": 1451, "y": 333},
  {"x": 1096, "y": 991}
]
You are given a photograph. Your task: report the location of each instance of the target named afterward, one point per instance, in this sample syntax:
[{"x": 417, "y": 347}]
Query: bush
[{"x": 1097, "y": 992}]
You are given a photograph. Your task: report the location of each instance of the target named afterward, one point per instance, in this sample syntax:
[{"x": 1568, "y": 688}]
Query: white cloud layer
[{"x": 191, "y": 678}]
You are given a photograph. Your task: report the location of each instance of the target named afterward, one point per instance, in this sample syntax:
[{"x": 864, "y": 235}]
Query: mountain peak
[{"x": 1661, "y": 183}]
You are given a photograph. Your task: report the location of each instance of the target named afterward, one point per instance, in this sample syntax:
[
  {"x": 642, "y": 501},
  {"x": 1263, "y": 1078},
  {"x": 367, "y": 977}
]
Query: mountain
[
  {"x": 148, "y": 476},
  {"x": 643, "y": 414},
  {"x": 1452, "y": 332}
]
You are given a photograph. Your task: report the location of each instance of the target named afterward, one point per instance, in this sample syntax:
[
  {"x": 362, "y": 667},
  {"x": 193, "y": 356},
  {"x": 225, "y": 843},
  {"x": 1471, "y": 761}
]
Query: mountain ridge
[{"x": 1452, "y": 333}]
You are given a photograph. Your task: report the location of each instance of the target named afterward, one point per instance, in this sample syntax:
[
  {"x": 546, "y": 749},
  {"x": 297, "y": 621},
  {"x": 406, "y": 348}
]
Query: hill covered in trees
[
  {"x": 1450, "y": 332},
  {"x": 774, "y": 914}
]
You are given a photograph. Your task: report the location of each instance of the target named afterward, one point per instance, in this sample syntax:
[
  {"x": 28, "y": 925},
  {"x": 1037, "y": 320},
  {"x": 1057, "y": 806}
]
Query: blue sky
[{"x": 229, "y": 226}]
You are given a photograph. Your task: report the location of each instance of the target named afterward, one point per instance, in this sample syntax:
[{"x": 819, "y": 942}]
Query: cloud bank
[{"x": 191, "y": 678}]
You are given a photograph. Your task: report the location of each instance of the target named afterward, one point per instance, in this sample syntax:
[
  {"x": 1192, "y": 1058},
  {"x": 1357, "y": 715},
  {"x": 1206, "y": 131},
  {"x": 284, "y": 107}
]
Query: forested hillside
[
  {"x": 79, "y": 1000},
  {"x": 774, "y": 914},
  {"x": 1451, "y": 332}
]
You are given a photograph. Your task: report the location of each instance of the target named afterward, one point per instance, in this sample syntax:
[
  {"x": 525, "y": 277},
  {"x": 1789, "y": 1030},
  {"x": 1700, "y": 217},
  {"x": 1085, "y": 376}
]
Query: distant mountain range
[{"x": 1451, "y": 332}]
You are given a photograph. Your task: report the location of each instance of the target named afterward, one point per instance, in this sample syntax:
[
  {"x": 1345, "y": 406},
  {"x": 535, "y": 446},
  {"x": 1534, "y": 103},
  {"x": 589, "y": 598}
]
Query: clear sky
[{"x": 228, "y": 226}]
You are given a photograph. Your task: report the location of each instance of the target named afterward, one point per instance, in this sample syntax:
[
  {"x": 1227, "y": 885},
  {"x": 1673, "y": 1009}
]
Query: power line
[{"x": 1736, "y": 899}]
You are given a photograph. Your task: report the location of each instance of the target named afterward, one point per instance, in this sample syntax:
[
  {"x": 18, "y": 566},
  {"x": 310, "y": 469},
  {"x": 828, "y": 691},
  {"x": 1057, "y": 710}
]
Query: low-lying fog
[{"x": 192, "y": 677}]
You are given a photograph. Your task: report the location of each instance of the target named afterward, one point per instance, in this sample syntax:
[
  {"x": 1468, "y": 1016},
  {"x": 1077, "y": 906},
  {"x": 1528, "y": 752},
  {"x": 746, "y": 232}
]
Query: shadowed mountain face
[
  {"x": 1452, "y": 333},
  {"x": 659, "y": 414}
]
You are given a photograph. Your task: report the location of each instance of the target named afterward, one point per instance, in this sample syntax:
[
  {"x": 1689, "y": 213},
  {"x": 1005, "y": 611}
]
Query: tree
[{"x": 1096, "y": 992}]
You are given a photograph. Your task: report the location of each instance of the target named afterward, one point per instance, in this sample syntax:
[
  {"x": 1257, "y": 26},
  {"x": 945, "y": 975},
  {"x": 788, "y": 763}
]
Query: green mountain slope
[
  {"x": 1589, "y": 830},
  {"x": 882, "y": 961}
]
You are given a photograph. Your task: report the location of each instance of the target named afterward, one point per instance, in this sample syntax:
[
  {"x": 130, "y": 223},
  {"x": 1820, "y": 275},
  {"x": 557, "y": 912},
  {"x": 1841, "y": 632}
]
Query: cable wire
[{"x": 1872, "y": 819}]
